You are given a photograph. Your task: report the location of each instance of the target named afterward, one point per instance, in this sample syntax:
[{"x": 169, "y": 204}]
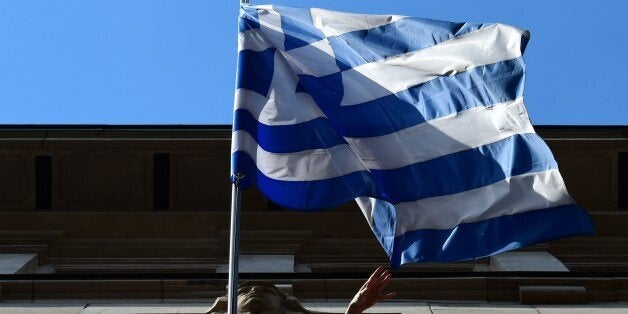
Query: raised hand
[{"x": 371, "y": 292}]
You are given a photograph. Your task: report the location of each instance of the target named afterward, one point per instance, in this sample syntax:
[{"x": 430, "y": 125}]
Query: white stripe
[
  {"x": 333, "y": 23},
  {"x": 316, "y": 59},
  {"x": 273, "y": 112},
  {"x": 270, "y": 25},
  {"x": 308, "y": 165},
  {"x": 377, "y": 79},
  {"x": 367, "y": 205},
  {"x": 513, "y": 195},
  {"x": 253, "y": 39},
  {"x": 282, "y": 106},
  {"x": 453, "y": 133}
]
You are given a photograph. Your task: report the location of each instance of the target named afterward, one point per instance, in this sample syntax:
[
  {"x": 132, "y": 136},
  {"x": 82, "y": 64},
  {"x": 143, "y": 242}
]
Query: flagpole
[
  {"x": 234, "y": 247},
  {"x": 234, "y": 237}
]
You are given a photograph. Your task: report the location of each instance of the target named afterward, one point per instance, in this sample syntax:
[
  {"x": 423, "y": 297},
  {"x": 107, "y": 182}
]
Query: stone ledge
[{"x": 476, "y": 289}]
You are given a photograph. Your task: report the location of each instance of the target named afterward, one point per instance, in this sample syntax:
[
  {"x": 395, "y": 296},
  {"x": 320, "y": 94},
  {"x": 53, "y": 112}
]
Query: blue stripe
[
  {"x": 313, "y": 134},
  {"x": 305, "y": 195},
  {"x": 248, "y": 18},
  {"x": 384, "y": 224},
  {"x": 297, "y": 27},
  {"x": 490, "y": 236},
  {"x": 480, "y": 86},
  {"x": 255, "y": 70},
  {"x": 405, "y": 35},
  {"x": 466, "y": 170},
  {"x": 450, "y": 174}
]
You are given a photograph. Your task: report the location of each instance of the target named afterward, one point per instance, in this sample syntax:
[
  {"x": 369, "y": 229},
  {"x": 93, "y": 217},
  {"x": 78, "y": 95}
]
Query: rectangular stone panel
[
  {"x": 471, "y": 288},
  {"x": 102, "y": 182},
  {"x": 176, "y": 289},
  {"x": 621, "y": 289},
  {"x": 97, "y": 289},
  {"x": 13, "y": 174},
  {"x": 589, "y": 177},
  {"x": 16, "y": 180},
  {"x": 16, "y": 290},
  {"x": 309, "y": 289},
  {"x": 201, "y": 182},
  {"x": 507, "y": 288}
]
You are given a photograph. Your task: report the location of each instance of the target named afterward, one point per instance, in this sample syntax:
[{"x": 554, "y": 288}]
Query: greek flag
[{"x": 421, "y": 121}]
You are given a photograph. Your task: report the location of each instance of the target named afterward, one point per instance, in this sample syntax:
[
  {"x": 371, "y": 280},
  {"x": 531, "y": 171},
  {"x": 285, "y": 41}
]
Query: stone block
[
  {"x": 342, "y": 288},
  {"x": 97, "y": 289},
  {"x": 16, "y": 290},
  {"x": 309, "y": 289},
  {"x": 481, "y": 308},
  {"x": 501, "y": 289},
  {"x": 621, "y": 289},
  {"x": 193, "y": 289},
  {"x": 469, "y": 289},
  {"x": 552, "y": 295}
]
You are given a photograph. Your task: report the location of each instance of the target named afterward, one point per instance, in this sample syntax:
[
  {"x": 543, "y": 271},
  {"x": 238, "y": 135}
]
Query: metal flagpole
[
  {"x": 234, "y": 245},
  {"x": 234, "y": 239}
]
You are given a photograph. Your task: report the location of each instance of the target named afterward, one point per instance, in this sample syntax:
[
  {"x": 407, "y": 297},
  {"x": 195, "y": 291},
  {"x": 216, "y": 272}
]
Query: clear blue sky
[{"x": 173, "y": 61}]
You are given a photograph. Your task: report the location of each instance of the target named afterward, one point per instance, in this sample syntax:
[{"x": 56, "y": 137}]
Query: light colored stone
[
  {"x": 606, "y": 308},
  {"x": 17, "y": 263},
  {"x": 526, "y": 261},
  {"x": 48, "y": 308},
  {"x": 382, "y": 307},
  {"x": 481, "y": 308},
  {"x": 332, "y": 306},
  {"x": 481, "y": 267},
  {"x": 146, "y": 308},
  {"x": 263, "y": 263}
]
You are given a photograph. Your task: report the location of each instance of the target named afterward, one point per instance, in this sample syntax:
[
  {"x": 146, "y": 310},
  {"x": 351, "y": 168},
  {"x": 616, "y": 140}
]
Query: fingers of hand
[
  {"x": 373, "y": 287},
  {"x": 382, "y": 281},
  {"x": 376, "y": 274},
  {"x": 380, "y": 284},
  {"x": 372, "y": 281},
  {"x": 387, "y": 296}
]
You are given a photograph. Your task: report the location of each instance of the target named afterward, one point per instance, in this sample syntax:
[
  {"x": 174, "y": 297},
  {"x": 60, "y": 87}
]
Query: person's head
[{"x": 260, "y": 296}]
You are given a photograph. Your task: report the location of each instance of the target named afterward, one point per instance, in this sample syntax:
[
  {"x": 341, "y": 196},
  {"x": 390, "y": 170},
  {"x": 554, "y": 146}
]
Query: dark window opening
[
  {"x": 43, "y": 182},
  {"x": 161, "y": 181},
  {"x": 623, "y": 180}
]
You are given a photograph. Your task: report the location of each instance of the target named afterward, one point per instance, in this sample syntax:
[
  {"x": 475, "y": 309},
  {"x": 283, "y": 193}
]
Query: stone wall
[{"x": 148, "y": 199}]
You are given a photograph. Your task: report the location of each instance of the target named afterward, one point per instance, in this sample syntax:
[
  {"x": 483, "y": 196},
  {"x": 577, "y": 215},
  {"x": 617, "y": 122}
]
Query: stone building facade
[{"x": 144, "y": 211}]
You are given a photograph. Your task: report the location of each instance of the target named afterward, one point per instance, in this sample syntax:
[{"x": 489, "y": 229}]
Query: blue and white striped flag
[{"x": 422, "y": 122}]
